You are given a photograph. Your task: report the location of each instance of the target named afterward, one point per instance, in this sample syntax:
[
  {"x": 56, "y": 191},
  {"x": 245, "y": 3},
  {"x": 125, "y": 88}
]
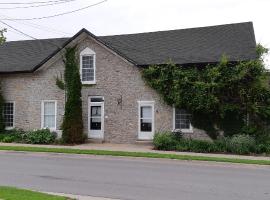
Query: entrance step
[
  {"x": 96, "y": 141},
  {"x": 144, "y": 142}
]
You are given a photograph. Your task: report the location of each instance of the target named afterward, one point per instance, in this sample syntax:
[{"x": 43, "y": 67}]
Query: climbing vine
[
  {"x": 2, "y": 125},
  {"x": 73, "y": 123},
  {"x": 225, "y": 96}
]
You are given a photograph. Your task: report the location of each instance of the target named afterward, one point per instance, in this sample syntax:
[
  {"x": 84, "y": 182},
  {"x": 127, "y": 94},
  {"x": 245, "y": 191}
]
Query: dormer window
[{"x": 88, "y": 66}]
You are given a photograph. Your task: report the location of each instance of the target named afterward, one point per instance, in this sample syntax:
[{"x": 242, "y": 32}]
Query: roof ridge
[
  {"x": 43, "y": 39},
  {"x": 219, "y": 25}
]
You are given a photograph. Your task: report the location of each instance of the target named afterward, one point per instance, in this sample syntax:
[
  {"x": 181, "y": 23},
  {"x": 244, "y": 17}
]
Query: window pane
[
  {"x": 146, "y": 118},
  {"x": 182, "y": 119},
  {"x": 95, "y": 111},
  {"x": 95, "y": 121},
  {"x": 49, "y": 121},
  {"x": 49, "y": 108},
  {"x": 49, "y": 115},
  {"x": 88, "y": 72},
  {"x": 146, "y": 125},
  {"x": 8, "y": 113},
  {"x": 146, "y": 112}
]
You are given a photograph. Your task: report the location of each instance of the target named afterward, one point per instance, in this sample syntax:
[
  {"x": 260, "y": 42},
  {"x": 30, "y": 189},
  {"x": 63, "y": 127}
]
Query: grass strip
[
  {"x": 11, "y": 193},
  {"x": 134, "y": 154}
]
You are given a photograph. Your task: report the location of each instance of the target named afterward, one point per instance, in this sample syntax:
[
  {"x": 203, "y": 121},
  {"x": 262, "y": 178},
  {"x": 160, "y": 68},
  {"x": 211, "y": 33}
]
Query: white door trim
[
  {"x": 95, "y": 134},
  {"x": 143, "y": 135}
]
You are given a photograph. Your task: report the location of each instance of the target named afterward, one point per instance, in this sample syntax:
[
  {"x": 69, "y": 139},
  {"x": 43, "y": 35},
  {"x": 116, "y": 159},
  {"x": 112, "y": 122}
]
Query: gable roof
[{"x": 183, "y": 46}]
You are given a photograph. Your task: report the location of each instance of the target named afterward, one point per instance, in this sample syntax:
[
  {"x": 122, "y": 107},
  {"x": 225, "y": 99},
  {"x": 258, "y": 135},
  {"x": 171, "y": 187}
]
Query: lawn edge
[{"x": 135, "y": 154}]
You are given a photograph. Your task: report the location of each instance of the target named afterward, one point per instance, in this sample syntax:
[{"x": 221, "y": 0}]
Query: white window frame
[
  {"x": 141, "y": 104},
  {"x": 14, "y": 107},
  {"x": 190, "y": 130},
  {"x": 88, "y": 52},
  {"x": 42, "y": 114}
]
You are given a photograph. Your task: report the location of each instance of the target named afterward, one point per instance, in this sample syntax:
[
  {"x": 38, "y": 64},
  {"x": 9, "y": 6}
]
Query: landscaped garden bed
[
  {"x": 242, "y": 144},
  {"x": 42, "y": 136}
]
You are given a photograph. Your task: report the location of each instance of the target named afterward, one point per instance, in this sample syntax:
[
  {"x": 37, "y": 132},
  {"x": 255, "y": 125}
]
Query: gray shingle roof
[{"x": 184, "y": 46}]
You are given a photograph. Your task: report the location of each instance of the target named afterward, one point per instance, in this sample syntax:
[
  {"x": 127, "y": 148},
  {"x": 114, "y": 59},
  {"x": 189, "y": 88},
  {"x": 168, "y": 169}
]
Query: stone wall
[{"x": 115, "y": 79}]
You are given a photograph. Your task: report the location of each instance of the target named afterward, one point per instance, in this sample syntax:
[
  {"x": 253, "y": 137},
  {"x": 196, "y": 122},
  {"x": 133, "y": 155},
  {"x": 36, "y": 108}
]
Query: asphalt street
[{"x": 134, "y": 178}]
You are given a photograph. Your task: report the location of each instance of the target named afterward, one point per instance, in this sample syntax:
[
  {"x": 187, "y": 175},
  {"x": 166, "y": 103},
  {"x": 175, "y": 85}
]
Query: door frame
[
  {"x": 102, "y": 116},
  {"x": 143, "y": 135}
]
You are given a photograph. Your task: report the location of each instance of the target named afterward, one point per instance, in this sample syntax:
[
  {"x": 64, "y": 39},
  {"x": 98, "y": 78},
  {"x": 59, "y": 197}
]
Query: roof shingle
[{"x": 183, "y": 46}]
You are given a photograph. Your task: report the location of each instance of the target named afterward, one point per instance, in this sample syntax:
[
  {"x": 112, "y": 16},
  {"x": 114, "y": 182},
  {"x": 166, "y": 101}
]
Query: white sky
[{"x": 132, "y": 16}]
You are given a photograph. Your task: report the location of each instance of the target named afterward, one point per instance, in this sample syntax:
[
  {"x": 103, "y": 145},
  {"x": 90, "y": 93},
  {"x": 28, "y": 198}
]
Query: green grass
[
  {"x": 10, "y": 193},
  {"x": 134, "y": 154}
]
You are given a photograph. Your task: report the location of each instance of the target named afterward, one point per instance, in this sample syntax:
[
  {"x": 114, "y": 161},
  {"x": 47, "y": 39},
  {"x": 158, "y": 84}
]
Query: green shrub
[
  {"x": 241, "y": 144},
  {"x": 9, "y": 136},
  {"x": 165, "y": 141},
  {"x": 43, "y": 136},
  {"x": 262, "y": 148},
  {"x": 201, "y": 146}
]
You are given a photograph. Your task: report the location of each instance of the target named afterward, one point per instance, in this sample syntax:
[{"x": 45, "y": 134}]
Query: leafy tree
[
  {"x": 73, "y": 123},
  {"x": 2, "y": 125},
  {"x": 226, "y": 96}
]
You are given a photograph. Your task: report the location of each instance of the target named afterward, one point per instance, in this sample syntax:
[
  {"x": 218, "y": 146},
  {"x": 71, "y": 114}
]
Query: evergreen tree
[
  {"x": 2, "y": 125},
  {"x": 73, "y": 123}
]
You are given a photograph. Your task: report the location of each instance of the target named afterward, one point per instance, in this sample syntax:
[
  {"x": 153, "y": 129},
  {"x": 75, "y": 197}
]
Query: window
[
  {"x": 146, "y": 113},
  {"x": 49, "y": 114},
  {"x": 8, "y": 111},
  {"x": 182, "y": 120},
  {"x": 88, "y": 66}
]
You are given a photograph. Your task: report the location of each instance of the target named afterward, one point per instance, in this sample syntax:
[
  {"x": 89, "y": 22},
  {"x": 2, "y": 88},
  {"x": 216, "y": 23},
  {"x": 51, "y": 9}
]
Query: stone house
[{"x": 118, "y": 106}]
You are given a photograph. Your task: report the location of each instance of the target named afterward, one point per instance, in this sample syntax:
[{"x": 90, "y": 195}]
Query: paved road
[{"x": 134, "y": 178}]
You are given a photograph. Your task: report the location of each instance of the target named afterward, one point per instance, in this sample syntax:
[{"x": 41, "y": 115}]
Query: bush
[
  {"x": 165, "y": 141},
  {"x": 241, "y": 144},
  {"x": 237, "y": 144},
  {"x": 43, "y": 136},
  {"x": 9, "y": 136},
  {"x": 262, "y": 148},
  {"x": 201, "y": 146}
]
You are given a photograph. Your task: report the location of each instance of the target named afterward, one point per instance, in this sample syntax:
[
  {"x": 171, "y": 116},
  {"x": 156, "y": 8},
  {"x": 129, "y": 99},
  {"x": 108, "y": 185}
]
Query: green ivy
[
  {"x": 60, "y": 83},
  {"x": 224, "y": 96},
  {"x": 73, "y": 123},
  {"x": 2, "y": 125}
]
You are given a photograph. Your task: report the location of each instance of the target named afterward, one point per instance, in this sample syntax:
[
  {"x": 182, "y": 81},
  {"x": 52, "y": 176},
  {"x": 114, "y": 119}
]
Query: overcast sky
[{"x": 133, "y": 16}]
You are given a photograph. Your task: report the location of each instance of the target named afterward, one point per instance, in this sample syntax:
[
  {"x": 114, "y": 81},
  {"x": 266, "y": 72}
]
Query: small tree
[
  {"x": 73, "y": 123},
  {"x": 2, "y": 125}
]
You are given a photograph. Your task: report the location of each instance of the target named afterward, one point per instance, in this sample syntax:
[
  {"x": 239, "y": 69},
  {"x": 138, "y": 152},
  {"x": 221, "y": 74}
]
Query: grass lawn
[
  {"x": 134, "y": 154},
  {"x": 10, "y": 193}
]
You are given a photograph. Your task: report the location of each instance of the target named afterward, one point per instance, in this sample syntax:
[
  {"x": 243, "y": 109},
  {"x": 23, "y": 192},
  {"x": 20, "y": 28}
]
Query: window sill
[
  {"x": 88, "y": 82},
  {"x": 9, "y": 128},
  {"x": 183, "y": 130}
]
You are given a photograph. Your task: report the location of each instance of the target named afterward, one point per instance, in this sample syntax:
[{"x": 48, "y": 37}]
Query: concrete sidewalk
[{"x": 136, "y": 148}]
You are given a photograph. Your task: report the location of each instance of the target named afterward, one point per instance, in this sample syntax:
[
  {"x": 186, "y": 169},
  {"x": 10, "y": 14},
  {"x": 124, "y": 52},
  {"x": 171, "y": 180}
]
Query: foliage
[
  {"x": 241, "y": 144},
  {"x": 2, "y": 37},
  {"x": 10, "y": 136},
  {"x": 225, "y": 96},
  {"x": 2, "y": 125},
  {"x": 60, "y": 83},
  {"x": 72, "y": 124},
  {"x": 164, "y": 141},
  {"x": 42, "y": 136},
  {"x": 237, "y": 144}
]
